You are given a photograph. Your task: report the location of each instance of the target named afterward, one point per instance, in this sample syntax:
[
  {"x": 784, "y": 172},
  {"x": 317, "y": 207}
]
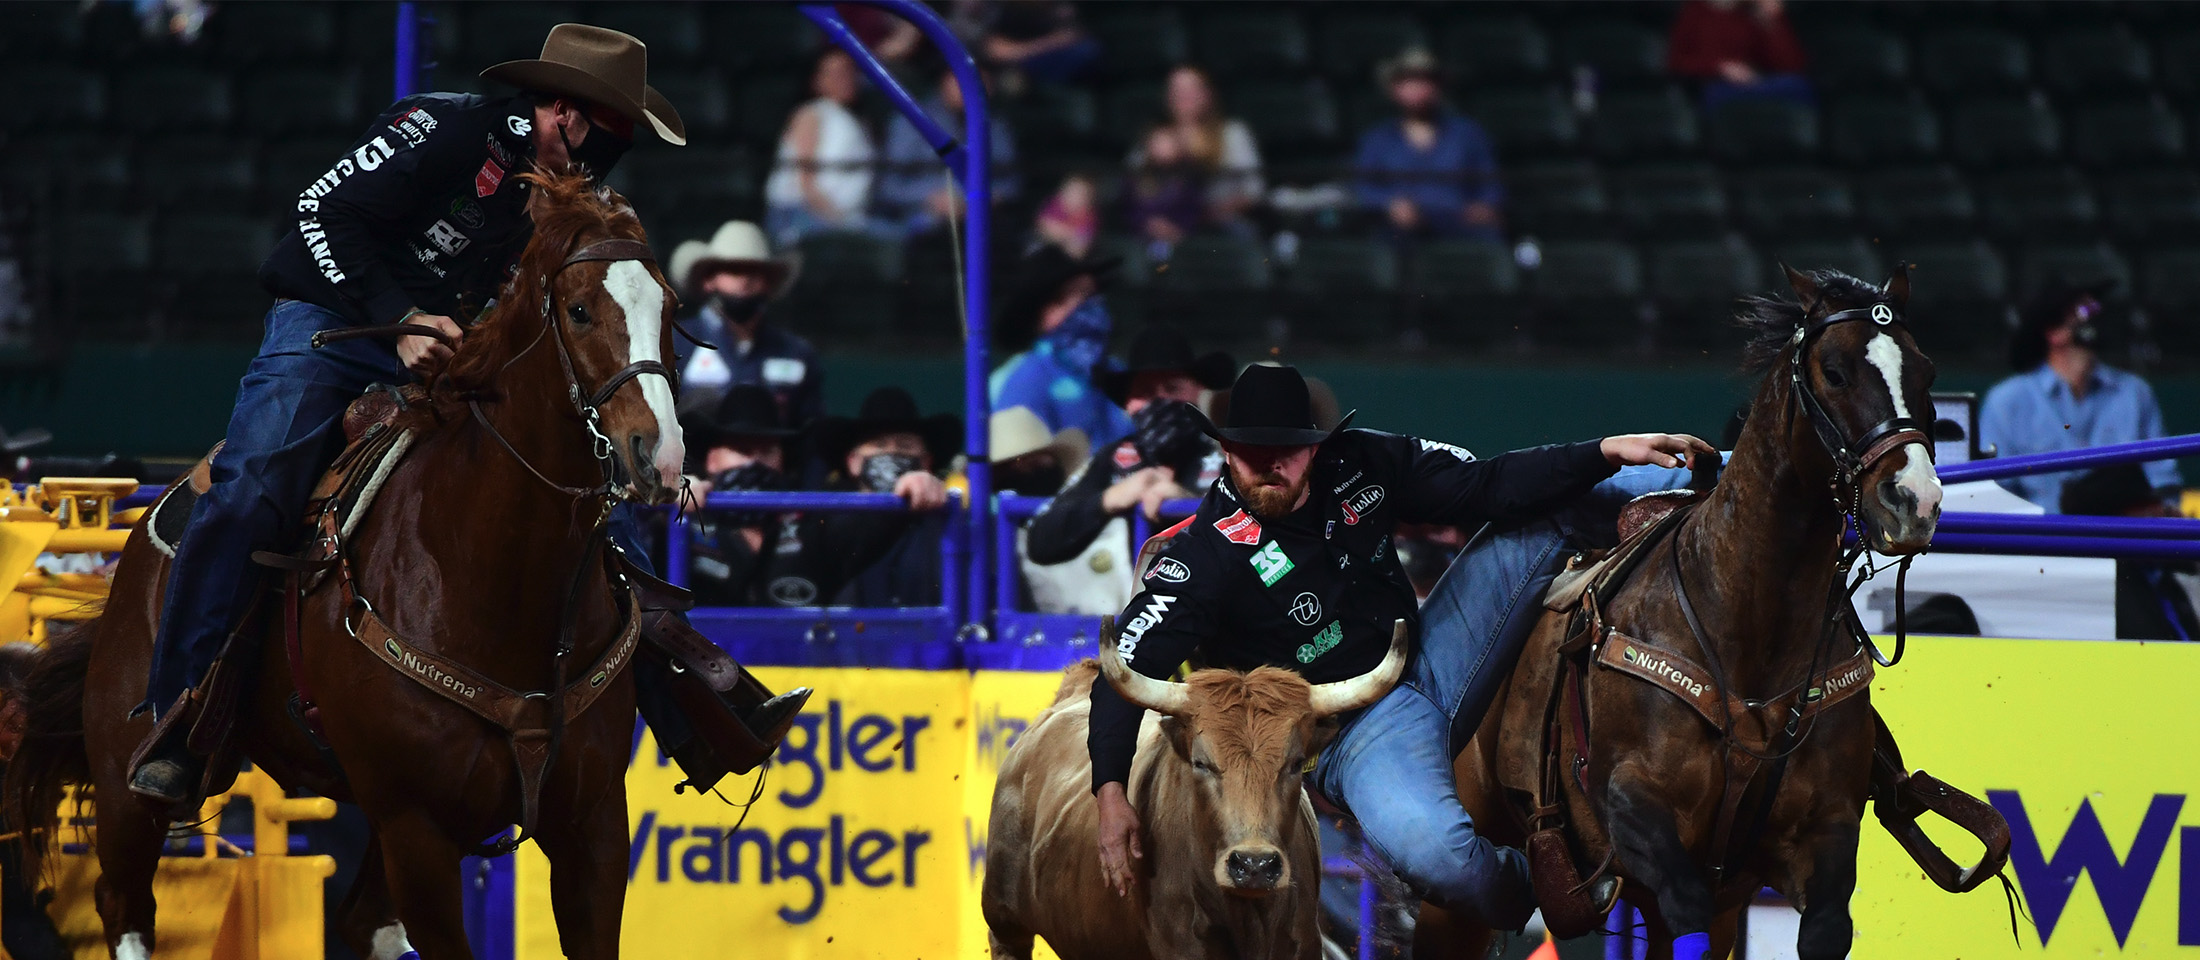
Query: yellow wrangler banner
[{"x": 869, "y": 837}]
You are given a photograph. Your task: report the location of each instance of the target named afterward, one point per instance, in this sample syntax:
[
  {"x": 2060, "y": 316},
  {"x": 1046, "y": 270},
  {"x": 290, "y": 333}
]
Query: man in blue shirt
[
  {"x": 2066, "y": 398},
  {"x": 1057, "y": 300},
  {"x": 1430, "y": 171},
  {"x": 913, "y": 193}
]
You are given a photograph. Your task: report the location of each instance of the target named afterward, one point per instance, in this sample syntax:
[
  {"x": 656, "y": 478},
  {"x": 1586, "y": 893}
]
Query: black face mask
[
  {"x": 1036, "y": 482},
  {"x": 754, "y": 475},
  {"x": 880, "y": 470},
  {"x": 596, "y": 155},
  {"x": 741, "y": 310}
]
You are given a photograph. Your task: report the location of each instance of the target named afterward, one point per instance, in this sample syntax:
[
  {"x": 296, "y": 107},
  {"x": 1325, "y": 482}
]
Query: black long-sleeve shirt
[
  {"x": 1069, "y": 522},
  {"x": 1316, "y": 591},
  {"x": 425, "y": 211}
]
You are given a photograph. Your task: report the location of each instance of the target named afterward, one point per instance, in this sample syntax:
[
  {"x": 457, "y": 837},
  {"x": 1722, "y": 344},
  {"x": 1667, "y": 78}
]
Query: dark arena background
[{"x": 1489, "y": 224}]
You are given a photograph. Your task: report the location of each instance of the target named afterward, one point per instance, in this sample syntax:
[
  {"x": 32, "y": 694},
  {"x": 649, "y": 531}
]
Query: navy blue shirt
[{"x": 1458, "y": 169}]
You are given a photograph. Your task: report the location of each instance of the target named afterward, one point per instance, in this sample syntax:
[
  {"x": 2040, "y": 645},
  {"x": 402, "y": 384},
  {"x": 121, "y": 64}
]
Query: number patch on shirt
[{"x": 1271, "y": 563}]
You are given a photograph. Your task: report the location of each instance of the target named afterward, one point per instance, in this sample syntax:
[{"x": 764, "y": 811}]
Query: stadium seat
[
  {"x": 2171, "y": 293},
  {"x": 1353, "y": 41},
  {"x": 1997, "y": 132},
  {"x": 847, "y": 283},
  {"x": 1557, "y": 199},
  {"x": 288, "y": 166},
  {"x": 1651, "y": 123},
  {"x": 197, "y": 173},
  {"x": 1465, "y": 293},
  {"x": 767, "y": 38},
  {"x": 1672, "y": 200},
  {"x": 301, "y": 30},
  {"x": 53, "y": 96},
  {"x": 2038, "y": 204},
  {"x": 89, "y": 172},
  {"x": 496, "y": 32},
  {"x": 1214, "y": 264},
  {"x": 282, "y": 102},
  {"x": 1251, "y": 39},
  {"x": 2178, "y": 65},
  {"x": 1857, "y": 56},
  {"x": 1795, "y": 202},
  {"x": 2075, "y": 263},
  {"x": 1142, "y": 41},
  {"x": 1527, "y": 122},
  {"x": 1882, "y": 128},
  {"x": 1931, "y": 202},
  {"x": 214, "y": 243},
  {"x": 1851, "y": 255},
  {"x": 1972, "y": 60},
  {"x": 88, "y": 243},
  {"x": 1349, "y": 265},
  {"x": 674, "y": 32},
  {"x": 2156, "y": 206},
  {"x": 1696, "y": 283},
  {"x": 1589, "y": 294},
  {"x": 1620, "y": 51},
  {"x": 158, "y": 99},
  {"x": 1958, "y": 296},
  {"x": 1132, "y": 109},
  {"x": 765, "y": 105},
  {"x": 703, "y": 183},
  {"x": 2096, "y": 59},
  {"x": 1495, "y": 50},
  {"x": 2123, "y": 133},
  {"x": 1757, "y": 130},
  {"x": 1049, "y": 118},
  {"x": 1286, "y": 114},
  {"x": 42, "y": 30},
  {"x": 703, "y": 98}
]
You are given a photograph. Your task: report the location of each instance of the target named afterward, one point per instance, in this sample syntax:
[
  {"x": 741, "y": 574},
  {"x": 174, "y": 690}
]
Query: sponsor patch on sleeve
[
  {"x": 1432, "y": 446},
  {"x": 1239, "y": 527},
  {"x": 1170, "y": 570},
  {"x": 1126, "y": 642},
  {"x": 1362, "y": 502}
]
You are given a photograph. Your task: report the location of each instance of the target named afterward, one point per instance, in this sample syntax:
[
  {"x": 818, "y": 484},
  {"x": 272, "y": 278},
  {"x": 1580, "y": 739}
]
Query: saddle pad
[{"x": 165, "y": 522}]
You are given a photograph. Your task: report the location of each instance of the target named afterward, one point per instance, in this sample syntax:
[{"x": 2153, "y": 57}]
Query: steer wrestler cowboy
[
  {"x": 1289, "y": 563},
  {"x": 420, "y": 224}
]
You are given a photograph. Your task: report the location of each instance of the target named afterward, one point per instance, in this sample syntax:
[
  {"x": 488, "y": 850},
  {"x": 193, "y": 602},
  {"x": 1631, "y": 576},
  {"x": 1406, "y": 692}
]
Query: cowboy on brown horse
[{"x": 420, "y": 224}]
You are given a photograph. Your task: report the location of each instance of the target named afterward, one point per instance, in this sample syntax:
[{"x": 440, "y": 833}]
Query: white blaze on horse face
[
  {"x": 390, "y": 942},
  {"x": 1916, "y": 475},
  {"x": 630, "y": 283},
  {"x": 132, "y": 947}
]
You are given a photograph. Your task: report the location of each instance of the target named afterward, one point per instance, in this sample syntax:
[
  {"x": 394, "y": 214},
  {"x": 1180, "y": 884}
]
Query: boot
[
  {"x": 771, "y": 719},
  {"x": 165, "y": 770}
]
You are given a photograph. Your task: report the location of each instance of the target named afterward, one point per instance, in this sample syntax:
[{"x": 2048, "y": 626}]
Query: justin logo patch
[
  {"x": 1239, "y": 527},
  {"x": 1362, "y": 502}
]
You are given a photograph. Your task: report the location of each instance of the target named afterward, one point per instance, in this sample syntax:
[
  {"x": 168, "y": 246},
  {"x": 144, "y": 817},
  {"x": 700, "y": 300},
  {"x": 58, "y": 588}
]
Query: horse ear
[
  {"x": 1806, "y": 289},
  {"x": 1898, "y": 286}
]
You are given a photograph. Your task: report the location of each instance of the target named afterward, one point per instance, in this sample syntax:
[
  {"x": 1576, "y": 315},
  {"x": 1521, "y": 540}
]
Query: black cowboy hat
[
  {"x": 1160, "y": 348},
  {"x": 2045, "y": 311},
  {"x": 889, "y": 410},
  {"x": 747, "y": 410},
  {"x": 1270, "y": 406},
  {"x": 1039, "y": 279}
]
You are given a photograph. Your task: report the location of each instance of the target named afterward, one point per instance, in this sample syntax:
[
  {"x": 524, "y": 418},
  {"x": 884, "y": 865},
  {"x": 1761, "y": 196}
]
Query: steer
[{"x": 1232, "y": 859}]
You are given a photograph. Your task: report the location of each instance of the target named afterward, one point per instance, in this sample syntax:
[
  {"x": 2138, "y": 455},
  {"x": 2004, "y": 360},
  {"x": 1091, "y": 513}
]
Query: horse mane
[
  {"x": 1771, "y": 320},
  {"x": 565, "y": 208}
]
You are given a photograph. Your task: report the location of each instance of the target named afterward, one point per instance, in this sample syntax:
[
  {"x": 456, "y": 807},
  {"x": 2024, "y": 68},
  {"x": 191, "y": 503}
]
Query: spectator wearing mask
[
  {"x": 822, "y": 178},
  {"x": 1221, "y": 147},
  {"x": 1056, "y": 300},
  {"x": 888, "y": 559},
  {"x": 1041, "y": 38},
  {"x": 2064, "y": 397},
  {"x": 1733, "y": 49},
  {"x": 1431, "y": 171},
  {"x": 1167, "y": 199},
  {"x": 2153, "y": 599},
  {"x": 732, "y": 280},
  {"x": 1071, "y": 218},
  {"x": 1030, "y": 461},
  {"x": 1164, "y": 457},
  {"x": 914, "y": 195},
  {"x": 737, "y": 555}
]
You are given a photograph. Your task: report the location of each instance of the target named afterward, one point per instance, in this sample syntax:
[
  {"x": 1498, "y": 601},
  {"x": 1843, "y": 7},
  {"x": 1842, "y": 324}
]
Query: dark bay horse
[
  {"x": 1733, "y": 606},
  {"x": 483, "y": 550}
]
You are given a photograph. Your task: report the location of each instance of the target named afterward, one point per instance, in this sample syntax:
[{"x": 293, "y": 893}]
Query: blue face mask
[{"x": 1082, "y": 338}]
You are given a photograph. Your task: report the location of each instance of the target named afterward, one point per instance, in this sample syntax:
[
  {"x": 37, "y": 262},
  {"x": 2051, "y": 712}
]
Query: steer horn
[
  {"x": 1330, "y": 699},
  {"x": 1159, "y": 696}
]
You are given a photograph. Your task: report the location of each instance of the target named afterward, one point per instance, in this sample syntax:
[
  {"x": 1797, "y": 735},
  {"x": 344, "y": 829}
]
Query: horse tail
[{"x": 52, "y": 754}]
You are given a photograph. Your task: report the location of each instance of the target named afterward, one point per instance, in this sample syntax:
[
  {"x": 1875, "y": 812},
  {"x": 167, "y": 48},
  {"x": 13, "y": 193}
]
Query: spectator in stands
[
  {"x": 1430, "y": 172},
  {"x": 1071, "y": 218},
  {"x": 889, "y": 38},
  {"x": 1167, "y": 198},
  {"x": 744, "y": 443},
  {"x": 1040, "y": 38},
  {"x": 1737, "y": 48},
  {"x": 1030, "y": 460},
  {"x": 822, "y": 178},
  {"x": 732, "y": 281},
  {"x": 2154, "y": 601},
  {"x": 914, "y": 193},
  {"x": 1056, "y": 300},
  {"x": 890, "y": 559},
  {"x": 2064, "y": 397},
  {"x": 1222, "y": 147}
]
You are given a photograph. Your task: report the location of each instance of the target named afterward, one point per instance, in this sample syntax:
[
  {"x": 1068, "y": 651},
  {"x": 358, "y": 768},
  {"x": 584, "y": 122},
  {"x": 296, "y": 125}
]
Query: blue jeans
[
  {"x": 1390, "y": 765},
  {"x": 286, "y": 428}
]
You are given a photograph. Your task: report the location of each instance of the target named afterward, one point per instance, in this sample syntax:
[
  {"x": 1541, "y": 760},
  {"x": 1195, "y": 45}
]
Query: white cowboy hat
[
  {"x": 1017, "y": 431},
  {"x": 737, "y": 245}
]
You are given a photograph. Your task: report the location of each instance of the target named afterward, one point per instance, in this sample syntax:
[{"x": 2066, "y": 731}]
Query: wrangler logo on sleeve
[{"x": 1271, "y": 563}]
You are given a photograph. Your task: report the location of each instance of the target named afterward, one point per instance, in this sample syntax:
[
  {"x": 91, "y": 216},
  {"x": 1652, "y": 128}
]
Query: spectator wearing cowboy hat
[
  {"x": 2063, "y": 397},
  {"x": 733, "y": 279},
  {"x": 1430, "y": 171},
  {"x": 883, "y": 559},
  {"x": 745, "y": 447},
  {"x": 1056, "y": 301},
  {"x": 1029, "y": 460}
]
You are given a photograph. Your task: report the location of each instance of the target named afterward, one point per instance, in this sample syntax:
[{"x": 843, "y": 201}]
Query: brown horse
[
  {"x": 1761, "y": 781},
  {"x": 483, "y": 550}
]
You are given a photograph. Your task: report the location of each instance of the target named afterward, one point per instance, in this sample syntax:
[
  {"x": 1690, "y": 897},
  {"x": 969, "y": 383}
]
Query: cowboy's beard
[{"x": 1269, "y": 495}]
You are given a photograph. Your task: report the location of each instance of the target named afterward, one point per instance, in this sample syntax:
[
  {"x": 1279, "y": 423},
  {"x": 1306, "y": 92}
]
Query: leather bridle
[{"x": 1851, "y": 460}]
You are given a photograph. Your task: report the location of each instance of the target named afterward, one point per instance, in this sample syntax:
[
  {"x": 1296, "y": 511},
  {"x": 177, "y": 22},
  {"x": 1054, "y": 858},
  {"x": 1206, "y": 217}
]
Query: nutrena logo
[
  {"x": 1664, "y": 670},
  {"x": 2050, "y": 879}
]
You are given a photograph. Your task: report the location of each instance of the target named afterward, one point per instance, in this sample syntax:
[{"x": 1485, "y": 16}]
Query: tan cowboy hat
[
  {"x": 601, "y": 66},
  {"x": 1410, "y": 62},
  {"x": 1017, "y": 431},
  {"x": 737, "y": 245}
]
